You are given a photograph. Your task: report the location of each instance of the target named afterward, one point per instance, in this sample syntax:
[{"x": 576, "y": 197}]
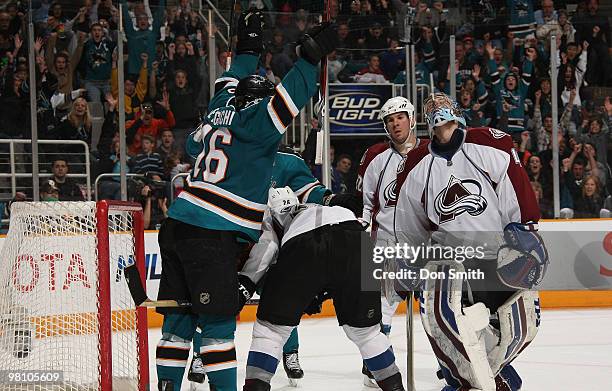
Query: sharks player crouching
[
  {"x": 468, "y": 187},
  {"x": 318, "y": 248}
]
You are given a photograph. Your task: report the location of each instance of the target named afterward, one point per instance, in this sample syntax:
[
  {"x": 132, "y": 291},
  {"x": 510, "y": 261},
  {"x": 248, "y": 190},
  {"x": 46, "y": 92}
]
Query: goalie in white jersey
[
  {"x": 377, "y": 184},
  {"x": 468, "y": 188}
]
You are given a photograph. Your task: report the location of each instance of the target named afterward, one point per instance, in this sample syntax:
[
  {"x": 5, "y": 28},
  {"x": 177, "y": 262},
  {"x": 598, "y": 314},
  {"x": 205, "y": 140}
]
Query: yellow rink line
[
  {"x": 548, "y": 299},
  {"x": 57, "y": 325}
]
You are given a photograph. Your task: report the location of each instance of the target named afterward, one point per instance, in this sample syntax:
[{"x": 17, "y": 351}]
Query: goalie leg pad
[
  {"x": 456, "y": 334},
  {"x": 518, "y": 326},
  {"x": 508, "y": 379},
  {"x": 375, "y": 350}
]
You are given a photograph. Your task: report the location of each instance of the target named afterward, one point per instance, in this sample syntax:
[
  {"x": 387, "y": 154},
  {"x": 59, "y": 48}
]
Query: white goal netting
[{"x": 55, "y": 318}]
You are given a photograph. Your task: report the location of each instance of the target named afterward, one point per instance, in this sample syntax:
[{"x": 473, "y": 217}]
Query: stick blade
[{"x": 137, "y": 291}]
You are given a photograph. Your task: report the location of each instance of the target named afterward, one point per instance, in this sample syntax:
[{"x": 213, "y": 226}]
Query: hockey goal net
[{"x": 67, "y": 320}]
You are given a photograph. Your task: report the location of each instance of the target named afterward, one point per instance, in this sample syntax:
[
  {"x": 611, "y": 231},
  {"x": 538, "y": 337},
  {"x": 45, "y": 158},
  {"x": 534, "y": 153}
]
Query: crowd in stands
[{"x": 502, "y": 68}]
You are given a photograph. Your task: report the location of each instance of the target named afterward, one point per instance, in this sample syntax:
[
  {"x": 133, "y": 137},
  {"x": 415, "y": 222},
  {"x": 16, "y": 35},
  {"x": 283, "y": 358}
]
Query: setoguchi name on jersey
[{"x": 235, "y": 151}]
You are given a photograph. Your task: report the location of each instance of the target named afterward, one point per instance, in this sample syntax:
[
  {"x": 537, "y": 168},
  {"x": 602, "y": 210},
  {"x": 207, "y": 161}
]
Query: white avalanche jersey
[
  {"x": 311, "y": 217},
  {"x": 377, "y": 183},
  {"x": 467, "y": 200}
]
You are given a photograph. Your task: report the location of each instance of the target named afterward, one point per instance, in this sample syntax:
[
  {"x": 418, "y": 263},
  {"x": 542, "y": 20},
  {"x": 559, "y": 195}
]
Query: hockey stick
[
  {"x": 410, "y": 343},
  {"x": 228, "y": 63},
  {"x": 323, "y": 96},
  {"x": 139, "y": 294}
]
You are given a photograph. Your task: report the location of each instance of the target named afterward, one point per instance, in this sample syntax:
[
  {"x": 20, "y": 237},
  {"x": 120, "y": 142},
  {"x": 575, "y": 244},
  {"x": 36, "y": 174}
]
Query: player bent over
[
  {"x": 318, "y": 249},
  {"x": 467, "y": 187},
  {"x": 289, "y": 170},
  {"x": 377, "y": 183},
  {"x": 225, "y": 201}
]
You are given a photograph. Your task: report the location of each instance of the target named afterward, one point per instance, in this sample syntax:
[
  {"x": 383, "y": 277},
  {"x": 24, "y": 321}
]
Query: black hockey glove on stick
[
  {"x": 318, "y": 42},
  {"x": 250, "y": 33},
  {"x": 349, "y": 201},
  {"x": 246, "y": 289},
  {"x": 316, "y": 305}
]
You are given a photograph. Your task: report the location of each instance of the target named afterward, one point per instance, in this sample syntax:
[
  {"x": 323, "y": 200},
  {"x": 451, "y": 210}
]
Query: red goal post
[{"x": 65, "y": 308}]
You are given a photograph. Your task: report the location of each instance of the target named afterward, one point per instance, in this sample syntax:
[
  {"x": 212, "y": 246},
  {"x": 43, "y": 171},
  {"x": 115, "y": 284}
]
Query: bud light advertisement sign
[{"x": 355, "y": 108}]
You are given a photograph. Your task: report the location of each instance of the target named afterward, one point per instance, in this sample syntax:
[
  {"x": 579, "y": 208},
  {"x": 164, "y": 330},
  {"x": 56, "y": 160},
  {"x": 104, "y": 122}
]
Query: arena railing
[
  {"x": 19, "y": 165},
  {"x": 110, "y": 175}
]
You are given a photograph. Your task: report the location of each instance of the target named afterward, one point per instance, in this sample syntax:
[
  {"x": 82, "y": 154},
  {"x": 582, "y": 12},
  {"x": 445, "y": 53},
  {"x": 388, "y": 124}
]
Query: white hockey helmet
[
  {"x": 397, "y": 104},
  {"x": 283, "y": 203}
]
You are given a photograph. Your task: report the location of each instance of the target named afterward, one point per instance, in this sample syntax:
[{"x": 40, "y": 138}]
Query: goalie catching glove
[
  {"x": 318, "y": 42},
  {"x": 246, "y": 290},
  {"x": 522, "y": 262},
  {"x": 250, "y": 33}
]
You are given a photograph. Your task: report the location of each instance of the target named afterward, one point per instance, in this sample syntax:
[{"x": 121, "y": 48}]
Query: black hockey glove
[
  {"x": 318, "y": 42},
  {"x": 316, "y": 305},
  {"x": 250, "y": 33},
  {"x": 246, "y": 289},
  {"x": 349, "y": 201}
]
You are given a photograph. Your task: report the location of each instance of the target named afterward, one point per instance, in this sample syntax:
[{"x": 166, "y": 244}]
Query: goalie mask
[
  {"x": 398, "y": 104},
  {"x": 251, "y": 89},
  {"x": 441, "y": 109},
  {"x": 283, "y": 204}
]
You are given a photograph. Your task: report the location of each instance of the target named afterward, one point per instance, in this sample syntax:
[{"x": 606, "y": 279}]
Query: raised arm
[{"x": 128, "y": 24}]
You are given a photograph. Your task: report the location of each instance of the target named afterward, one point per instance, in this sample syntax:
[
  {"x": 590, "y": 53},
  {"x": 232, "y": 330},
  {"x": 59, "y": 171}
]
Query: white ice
[{"x": 572, "y": 351}]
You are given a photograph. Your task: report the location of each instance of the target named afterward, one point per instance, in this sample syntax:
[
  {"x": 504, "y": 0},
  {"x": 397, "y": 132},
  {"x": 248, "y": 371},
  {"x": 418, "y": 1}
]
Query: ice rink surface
[{"x": 573, "y": 351}]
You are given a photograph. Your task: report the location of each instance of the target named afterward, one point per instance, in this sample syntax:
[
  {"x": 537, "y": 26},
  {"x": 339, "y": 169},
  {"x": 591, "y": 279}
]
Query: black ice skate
[
  {"x": 197, "y": 373},
  {"x": 255, "y": 385},
  {"x": 165, "y": 385},
  {"x": 392, "y": 383},
  {"x": 368, "y": 379},
  {"x": 291, "y": 362}
]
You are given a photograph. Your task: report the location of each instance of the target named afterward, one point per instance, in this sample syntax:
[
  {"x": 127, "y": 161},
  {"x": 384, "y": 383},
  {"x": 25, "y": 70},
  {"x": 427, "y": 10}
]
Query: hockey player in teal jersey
[
  {"x": 224, "y": 201},
  {"x": 289, "y": 170}
]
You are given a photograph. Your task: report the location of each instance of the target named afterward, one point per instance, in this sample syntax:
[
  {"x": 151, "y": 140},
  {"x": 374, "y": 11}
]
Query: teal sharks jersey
[
  {"x": 227, "y": 188},
  {"x": 291, "y": 170}
]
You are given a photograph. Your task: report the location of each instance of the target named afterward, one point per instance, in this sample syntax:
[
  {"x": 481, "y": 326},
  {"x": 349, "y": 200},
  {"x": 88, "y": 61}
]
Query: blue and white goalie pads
[
  {"x": 472, "y": 352},
  {"x": 522, "y": 262}
]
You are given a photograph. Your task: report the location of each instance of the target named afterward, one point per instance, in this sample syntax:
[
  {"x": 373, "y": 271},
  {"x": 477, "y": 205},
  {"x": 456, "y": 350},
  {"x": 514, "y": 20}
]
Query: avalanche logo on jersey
[
  {"x": 390, "y": 194},
  {"x": 402, "y": 165},
  {"x": 497, "y": 134},
  {"x": 458, "y": 197}
]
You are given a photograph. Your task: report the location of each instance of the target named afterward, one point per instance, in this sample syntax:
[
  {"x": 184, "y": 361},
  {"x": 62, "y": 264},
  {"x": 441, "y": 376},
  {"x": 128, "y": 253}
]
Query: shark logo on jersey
[
  {"x": 390, "y": 194},
  {"x": 458, "y": 197}
]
